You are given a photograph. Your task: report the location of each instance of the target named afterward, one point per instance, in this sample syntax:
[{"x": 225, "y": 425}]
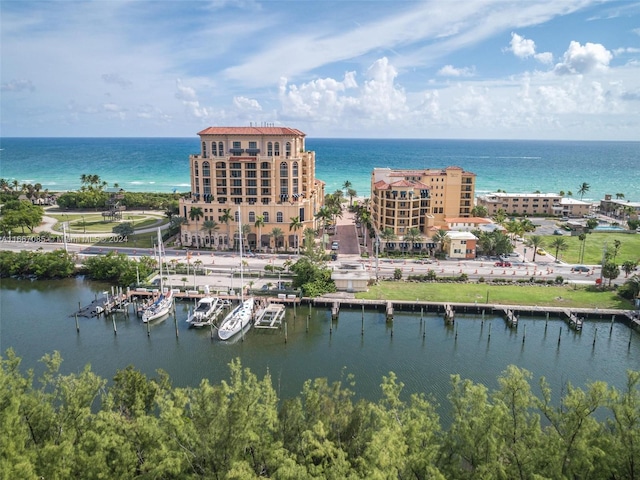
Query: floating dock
[
  {"x": 271, "y": 317},
  {"x": 510, "y": 317},
  {"x": 574, "y": 321}
]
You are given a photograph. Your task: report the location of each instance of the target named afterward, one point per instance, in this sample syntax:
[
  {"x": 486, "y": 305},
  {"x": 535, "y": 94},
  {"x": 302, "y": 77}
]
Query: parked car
[
  {"x": 541, "y": 252},
  {"x": 557, "y": 232},
  {"x": 503, "y": 264},
  {"x": 335, "y": 246},
  {"x": 580, "y": 268}
]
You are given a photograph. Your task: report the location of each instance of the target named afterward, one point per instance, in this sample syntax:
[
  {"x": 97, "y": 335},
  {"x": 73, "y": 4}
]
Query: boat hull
[{"x": 237, "y": 321}]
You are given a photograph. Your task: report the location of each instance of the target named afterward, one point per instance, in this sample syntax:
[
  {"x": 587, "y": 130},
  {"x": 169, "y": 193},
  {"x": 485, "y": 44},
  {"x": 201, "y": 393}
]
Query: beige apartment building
[
  {"x": 533, "y": 204},
  {"x": 422, "y": 199},
  {"x": 255, "y": 174}
]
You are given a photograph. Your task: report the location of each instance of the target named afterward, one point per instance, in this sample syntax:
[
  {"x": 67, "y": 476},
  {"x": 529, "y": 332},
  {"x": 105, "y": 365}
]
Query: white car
[{"x": 335, "y": 246}]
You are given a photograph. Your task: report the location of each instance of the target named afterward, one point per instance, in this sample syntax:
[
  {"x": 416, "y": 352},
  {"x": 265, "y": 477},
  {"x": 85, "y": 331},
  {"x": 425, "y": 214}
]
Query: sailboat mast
[
  {"x": 160, "y": 261},
  {"x": 241, "y": 265}
]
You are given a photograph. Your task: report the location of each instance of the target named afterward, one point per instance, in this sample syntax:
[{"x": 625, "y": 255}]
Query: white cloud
[
  {"x": 579, "y": 59},
  {"x": 524, "y": 48},
  {"x": 451, "y": 71},
  {"x": 244, "y": 103},
  {"x": 18, "y": 86}
]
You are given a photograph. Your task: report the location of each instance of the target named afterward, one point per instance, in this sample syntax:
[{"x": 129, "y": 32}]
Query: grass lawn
[
  {"x": 594, "y": 244},
  {"x": 570, "y": 296},
  {"x": 94, "y": 223}
]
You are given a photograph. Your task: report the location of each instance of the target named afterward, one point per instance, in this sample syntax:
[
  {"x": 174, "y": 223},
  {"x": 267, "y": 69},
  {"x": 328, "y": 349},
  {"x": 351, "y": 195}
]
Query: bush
[
  {"x": 397, "y": 274},
  {"x": 559, "y": 280}
]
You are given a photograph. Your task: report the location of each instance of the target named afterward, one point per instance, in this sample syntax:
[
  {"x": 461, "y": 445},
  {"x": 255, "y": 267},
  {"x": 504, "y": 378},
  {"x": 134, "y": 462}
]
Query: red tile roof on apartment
[
  {"x": 381, "y": 185},
  {"x": 252, "y": 131},
  {"x": 402, "y": 183}
]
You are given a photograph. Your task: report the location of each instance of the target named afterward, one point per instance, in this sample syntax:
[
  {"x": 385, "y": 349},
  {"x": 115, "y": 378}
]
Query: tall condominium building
[
  {"x": 263, "y": 176},
  {"x": 422, "y": 199}
]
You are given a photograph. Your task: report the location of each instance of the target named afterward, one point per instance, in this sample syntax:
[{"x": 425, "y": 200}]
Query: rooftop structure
[{"x": 533, "y": 204}]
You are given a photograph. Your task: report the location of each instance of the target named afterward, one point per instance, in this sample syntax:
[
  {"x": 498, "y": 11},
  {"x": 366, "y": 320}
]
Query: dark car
[
  {"x": 503, "y": 264},
  {"x": 580, "y": 268}
]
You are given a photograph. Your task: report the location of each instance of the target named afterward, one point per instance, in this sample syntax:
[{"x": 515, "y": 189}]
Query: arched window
[
  {"x": 265, "y": 215},
  {"x": 295, "y": 169},
  {"x": 214, "y": 149},
  {"x": 279, "y": 217},
  {"x": 220, "y": 148},
  {"x": 270, "y": 149},
  {"x": 252, "y": 217},
  {"x": 206, "y": 169},
  {"x": 277, "y": 149},
  {"x": 236, "y": 216},
  {"x": 288, "y": 149},
  {"x": 204, "y": 149},
  {"x": 195, "y": 169},
  {"x": 284, "y": 170}
]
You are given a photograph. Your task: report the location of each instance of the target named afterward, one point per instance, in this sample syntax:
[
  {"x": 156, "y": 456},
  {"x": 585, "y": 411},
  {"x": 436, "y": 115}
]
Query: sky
[{"x": 469, "y": 69}]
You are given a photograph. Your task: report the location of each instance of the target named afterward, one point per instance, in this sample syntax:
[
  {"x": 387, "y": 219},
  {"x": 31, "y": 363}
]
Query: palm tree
[
  {"x": 226, "y": 218},
  {"x": 619, "y": 196},
  {"x": 500, "y": 217},
  {"x": 324, "y": 214},
  {"x": 440, "y": 237},
  {"x": 351, "y": 193},
  {"x": 210, "y": 226},
  {"x": 535, "y": 242},
  {"x": 346, "y": 185},
  {"x": 259, "y": 224},
  {"x": 583, "y": 238},
  {"x": 412, "y": 236},
  {"x": 195, "y": 214},
  {"x": 245, "y": 230},
  {"x": 582, "y": 189},
  {"x": 628, "y": 267},
  {"x": 276, "y": 233},
  {"x": 479, "y": 211},
  {"x": 294, "y": 226},
  {"x": 388, "y": 235},
  {"x": 559, "y": 244}
]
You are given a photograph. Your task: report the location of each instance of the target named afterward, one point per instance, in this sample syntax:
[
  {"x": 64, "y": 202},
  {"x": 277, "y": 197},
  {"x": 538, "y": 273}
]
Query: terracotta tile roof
[
  {"x": 402, "y": 183},
  {"x": 381, "y": 185},
  {"x": 252, "y": 131}
]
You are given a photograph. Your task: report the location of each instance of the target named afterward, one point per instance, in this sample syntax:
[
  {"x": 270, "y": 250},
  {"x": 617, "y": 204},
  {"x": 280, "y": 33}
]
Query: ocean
[{"x": 162, "y": 164}]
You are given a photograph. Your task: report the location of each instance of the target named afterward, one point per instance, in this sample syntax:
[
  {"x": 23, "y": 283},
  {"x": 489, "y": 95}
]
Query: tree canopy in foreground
[{"x": 78, "y": 426}]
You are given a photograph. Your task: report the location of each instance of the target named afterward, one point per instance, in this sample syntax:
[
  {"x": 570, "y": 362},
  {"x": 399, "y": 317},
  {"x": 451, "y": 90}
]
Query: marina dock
[{"x": 271, "y": 316}]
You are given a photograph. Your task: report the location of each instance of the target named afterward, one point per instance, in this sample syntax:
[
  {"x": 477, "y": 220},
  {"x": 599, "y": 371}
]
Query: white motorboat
[{"x": 204, "y": 312}]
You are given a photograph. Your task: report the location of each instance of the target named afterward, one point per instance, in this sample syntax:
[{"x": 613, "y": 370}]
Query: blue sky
[{"x": 504, "y": 69}]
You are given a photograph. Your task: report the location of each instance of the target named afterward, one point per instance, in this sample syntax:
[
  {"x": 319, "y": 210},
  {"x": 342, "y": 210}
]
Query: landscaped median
[{"x": 570, "y": 296}]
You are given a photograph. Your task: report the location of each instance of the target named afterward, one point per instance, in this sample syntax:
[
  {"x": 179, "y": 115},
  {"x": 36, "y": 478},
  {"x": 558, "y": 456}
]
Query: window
[
  {"x": 214, "y": 150},
  {"x": 276, "y": 151},
  {"x": 237, "y": 145},
  {"x": 265, "y": 215},
  {"x": 220, "y": 148},
  {"x": 252, "y": 217},
  {"x": 295, "y": 186},
  {"x": 279, "y": 217},
  {"x": 204, "y": 149},
  {"x": 207, "y": 185},
  {"x": 265, "y": 166},
  {"x": 236, "y": 182},
  {"x": 251, "y": 183},
  {"x": 284, "y": 170},
  {"x": 206, "y": 169},
  {"x": 284, "y": 189},
  {"x": 288, "y": 149},
  {"x": 295, "y": 169},
  {"x": 253, "y": 145},
  {"x": 195, "y": 169},
  {"x": 269, "y": 153}
]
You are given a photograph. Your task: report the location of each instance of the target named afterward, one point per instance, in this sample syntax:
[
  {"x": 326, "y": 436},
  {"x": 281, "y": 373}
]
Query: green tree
[
  {"x": 583, "y": 188},
  {"x": 314, "y": 279},
  {"x": 535, "y": 242},
  {"x": 125, "y": 229},
  {"x": 259, "y": 224},
  {"x": 351, "y": 193},
  {"x": 210, "y": 226},
  {"x": 20, "y": 214},
  {"x": 195, "y": 214},
  {"x": 611, "y": 271},
  {"x": 226, "y": 218},
  {"x": 277, "y": 234},
  {"x": 387, "y": 235},
  {"x": 479, "y": 211},
  {"x": 440, "y": 238},
  {"x": 559, "y": 244},
  {"x": 628, "y": 266},
  {"x": 294, "y": 226}
]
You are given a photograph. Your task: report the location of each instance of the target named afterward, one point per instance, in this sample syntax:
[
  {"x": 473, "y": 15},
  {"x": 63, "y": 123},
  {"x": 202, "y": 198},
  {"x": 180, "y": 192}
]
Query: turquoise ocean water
[{"x": 162, "y": 164}]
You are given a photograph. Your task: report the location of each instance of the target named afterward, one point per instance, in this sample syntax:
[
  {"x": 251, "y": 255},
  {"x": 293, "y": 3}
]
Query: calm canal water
[{"x": 36, "y": 318}]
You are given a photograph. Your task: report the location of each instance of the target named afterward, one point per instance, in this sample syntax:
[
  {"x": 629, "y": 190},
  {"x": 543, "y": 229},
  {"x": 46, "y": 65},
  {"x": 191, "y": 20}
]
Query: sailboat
[
  {"x": 205, "y": 310},
  {"x": 164, "y": 302},
  {"x": 239, "y": 319}
]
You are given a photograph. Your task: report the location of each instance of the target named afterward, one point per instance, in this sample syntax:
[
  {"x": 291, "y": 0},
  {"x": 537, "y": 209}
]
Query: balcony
[{"x": 236, "y": 151}]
